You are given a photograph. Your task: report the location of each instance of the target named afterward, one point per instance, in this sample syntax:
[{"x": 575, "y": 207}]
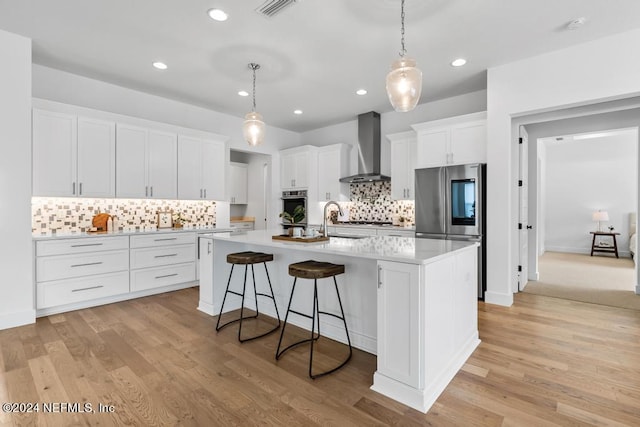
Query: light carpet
[{"x": 601, "y": 280}]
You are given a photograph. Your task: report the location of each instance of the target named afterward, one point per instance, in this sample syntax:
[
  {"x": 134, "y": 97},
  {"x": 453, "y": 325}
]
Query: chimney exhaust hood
[{"x": 368, "y": 150}]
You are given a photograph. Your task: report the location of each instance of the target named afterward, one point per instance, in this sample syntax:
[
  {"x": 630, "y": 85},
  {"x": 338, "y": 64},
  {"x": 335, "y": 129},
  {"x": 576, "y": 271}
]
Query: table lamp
[{"x": 600, "y": 216}]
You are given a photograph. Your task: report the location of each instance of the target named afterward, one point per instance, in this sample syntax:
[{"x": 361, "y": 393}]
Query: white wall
[
  {"x": 585, "y": 176},
  {"x": 592, "y": 72},
  {"x": 16, "y": 253}
]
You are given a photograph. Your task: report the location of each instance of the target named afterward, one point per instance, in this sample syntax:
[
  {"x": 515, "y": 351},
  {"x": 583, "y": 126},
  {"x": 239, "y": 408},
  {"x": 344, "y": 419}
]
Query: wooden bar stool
[
  {"x": 314, "y": 270},
  {"x": 248, "y": 258}
]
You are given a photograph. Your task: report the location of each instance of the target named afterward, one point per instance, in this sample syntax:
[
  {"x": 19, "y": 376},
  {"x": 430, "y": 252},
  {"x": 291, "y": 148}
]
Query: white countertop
[
  {"x": 83, "y": 234},
  {"x": 389, "y": 248}
]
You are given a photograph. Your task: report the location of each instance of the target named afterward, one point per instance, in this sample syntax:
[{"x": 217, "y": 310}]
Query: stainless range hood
[{"x": 368, "y": 150}]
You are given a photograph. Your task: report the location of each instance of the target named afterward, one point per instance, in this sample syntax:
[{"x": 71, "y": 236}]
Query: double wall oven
[{"x": 291, "y": 200}]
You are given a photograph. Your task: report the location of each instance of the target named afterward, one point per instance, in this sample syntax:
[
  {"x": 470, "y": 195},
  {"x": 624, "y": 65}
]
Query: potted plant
[
  {"x": 178, "y": 220},
  {"x": 294, "y": 218}
]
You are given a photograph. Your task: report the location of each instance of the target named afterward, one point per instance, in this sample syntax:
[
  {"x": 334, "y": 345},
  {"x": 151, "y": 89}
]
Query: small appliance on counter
[{"x": 450, "y": 204}]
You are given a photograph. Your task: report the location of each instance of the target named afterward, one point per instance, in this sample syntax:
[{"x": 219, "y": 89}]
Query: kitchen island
[{"x": 412, "y": 302}]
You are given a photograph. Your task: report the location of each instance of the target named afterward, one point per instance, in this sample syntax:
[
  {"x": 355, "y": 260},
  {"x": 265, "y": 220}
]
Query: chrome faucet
[{"x": 324, "y": 216}]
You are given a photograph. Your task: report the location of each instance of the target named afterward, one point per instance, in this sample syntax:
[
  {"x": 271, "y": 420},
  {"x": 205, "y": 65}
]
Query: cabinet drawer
[
  {"x": 155, "y": 257},
  {"x": 69, "y": 266},
  {"x": 162, "y": 276},
  {"x": 70, "y": 291},
  {"x": 242, "y": 225},
  {"x": 75, "y": 246},
  {"x": 397, "y": 233},
  {"x": 167, "y": 239}
]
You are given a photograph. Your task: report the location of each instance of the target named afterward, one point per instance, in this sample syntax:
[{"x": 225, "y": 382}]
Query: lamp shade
[
  {"x": 600, "y": 216},
  {"x": 404, "y": 84},
  {"x": 253, "y": 128}
]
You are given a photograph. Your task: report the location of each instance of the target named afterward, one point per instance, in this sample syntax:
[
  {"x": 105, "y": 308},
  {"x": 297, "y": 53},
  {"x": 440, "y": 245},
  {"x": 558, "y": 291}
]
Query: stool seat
[
  {"x": 315, "y": 269},
  {"x": 249, "y": 257}
]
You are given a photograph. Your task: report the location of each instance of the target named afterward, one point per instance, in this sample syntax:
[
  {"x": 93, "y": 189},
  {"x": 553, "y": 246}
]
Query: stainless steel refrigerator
[{"x": 450, "y": 204}]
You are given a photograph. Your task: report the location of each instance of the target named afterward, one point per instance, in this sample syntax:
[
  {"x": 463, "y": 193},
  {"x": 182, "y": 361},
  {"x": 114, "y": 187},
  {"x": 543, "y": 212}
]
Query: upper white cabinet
[
  {"x": 201, "y": 168},
  {"x": 296, "y": 167},
  {"x": 455, "y": 140},
  {"x": 72, "y": 156},
  {"x": 333, "y": 164},
  {"x": 403, "y": 165},
  {"x": 146, "y": 163},
  {"x": 238, "y": 180}
]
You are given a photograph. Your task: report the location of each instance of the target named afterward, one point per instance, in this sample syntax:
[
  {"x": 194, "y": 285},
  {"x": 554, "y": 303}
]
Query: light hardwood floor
[{"x": 159, "y": 361}]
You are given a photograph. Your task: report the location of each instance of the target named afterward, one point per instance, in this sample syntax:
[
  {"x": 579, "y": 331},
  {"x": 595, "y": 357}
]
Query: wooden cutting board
[{"x": 287, "y": 238}]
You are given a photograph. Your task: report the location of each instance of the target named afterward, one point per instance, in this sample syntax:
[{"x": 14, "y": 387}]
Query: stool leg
[
  {"x": 224, "y": 298},
  {"x": 255, "y": 292},
  {"x": 316, "y": 313},
  {"x": 272, "y": 294},
  {"x": 344, "y": 319},
  {"x": 286, "y": 316},
  {"x": 244, "y": 288}
]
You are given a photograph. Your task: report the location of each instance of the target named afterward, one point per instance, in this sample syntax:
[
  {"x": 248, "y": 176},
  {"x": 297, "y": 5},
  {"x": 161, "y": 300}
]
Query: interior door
[{"x": 523, "y": 231}]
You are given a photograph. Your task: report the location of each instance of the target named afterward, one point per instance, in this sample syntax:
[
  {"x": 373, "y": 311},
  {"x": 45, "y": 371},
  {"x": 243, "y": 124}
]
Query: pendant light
[
  {"x": 404, "y": 81},
  {"x": 253, "y": 127}
]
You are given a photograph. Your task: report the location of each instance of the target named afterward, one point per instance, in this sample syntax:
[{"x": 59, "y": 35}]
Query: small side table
[{"x": 604, "y": 248}]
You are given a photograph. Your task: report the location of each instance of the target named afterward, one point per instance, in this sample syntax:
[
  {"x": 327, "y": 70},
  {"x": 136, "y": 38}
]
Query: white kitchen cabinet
[
  {"x": 399, "y": 325},
  {"x": 72, "y": 156},
  {"x": 238, "y": 180},
  {"x": 403, "y": 165},
  {"x": 333, "y": 164},
  {"x": 455, "y": 140},
  {"x": 146, "y": 163},
  {"x": 296, "y": 167},
  {"x": 201, "y": 168},
  {"x": 162, "y": 260},
  {"x": 70, "y": 271}
]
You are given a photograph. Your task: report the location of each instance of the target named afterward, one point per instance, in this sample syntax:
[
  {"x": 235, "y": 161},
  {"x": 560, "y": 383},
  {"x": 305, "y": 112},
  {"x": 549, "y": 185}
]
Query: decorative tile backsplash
[
  {"x": 371, "y": 201},
  {"x": 61, "y": 215}
]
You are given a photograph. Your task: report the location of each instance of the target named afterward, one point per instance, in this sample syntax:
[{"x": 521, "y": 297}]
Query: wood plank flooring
[{"x": 158, "y": 361}]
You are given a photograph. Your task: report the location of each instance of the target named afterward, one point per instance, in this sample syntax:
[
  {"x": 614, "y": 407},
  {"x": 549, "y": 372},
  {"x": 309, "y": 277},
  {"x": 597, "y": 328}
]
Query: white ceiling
[{"x": 314, "y": 54}]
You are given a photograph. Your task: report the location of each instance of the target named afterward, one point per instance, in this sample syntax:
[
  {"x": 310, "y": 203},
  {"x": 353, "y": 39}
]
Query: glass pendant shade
[
  {"x": 404, "y": 84},
  {"x": 253, "y": 128}
]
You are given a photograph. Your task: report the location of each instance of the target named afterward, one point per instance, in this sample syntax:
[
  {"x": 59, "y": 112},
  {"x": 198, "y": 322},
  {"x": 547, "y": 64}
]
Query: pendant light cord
[
  {"x": 253, "y": 66},
  {"x": 403, "y": 51}
]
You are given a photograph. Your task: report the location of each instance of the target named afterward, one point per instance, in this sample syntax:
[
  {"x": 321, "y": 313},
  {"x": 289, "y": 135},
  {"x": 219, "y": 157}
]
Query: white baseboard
[
  {"x": 584, "y": 251},
  {"x": 207, "y": 308},
  {"x": 20, "y": 318},
  {"x": 498, "y": 298}
]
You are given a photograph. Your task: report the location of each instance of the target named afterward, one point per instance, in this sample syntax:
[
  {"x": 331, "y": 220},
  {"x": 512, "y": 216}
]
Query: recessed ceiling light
[
  {"x": 218, "y": 15},
  {"x": 160, "y": 65},
  {"x": 361, "y": 92},
  {"x": 458, "y": 62},
  {"x": 297, "y": 111},
  {"x": 243, "y": 93},
  {"x": 576, "y": 23}
]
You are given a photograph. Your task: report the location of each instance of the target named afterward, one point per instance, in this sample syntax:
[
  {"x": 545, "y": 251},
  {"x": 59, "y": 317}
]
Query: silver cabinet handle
[
  {"x": 163, "y": 240},
  {"x": 86, "y": 244},
  {"x": 166, "y": 275},
  {"x": 165, "y": 256},
  {"x": 205, "y": 193},
  {"x": 87, "y": 289},
  {"x": 73, "y": 188},
  {"x": 379, "y": 277},
  {"x": 201, "y": 193},
  {"x": 151, "y": 191},
  {"x": 87, "y": 264},
  {"x": 146, "y": 191},
  {"x": 80, "y": 192},
  {"x": 208, "y": 247}
]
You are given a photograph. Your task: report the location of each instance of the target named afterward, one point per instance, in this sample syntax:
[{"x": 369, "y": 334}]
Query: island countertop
[{"x": 387, "y": 248}]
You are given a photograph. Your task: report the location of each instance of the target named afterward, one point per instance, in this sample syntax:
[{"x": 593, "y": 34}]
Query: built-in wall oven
[{"x": 292, "y": 199}]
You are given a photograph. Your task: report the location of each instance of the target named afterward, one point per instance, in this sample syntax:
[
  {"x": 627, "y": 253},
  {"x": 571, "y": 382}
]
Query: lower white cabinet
[
  {"x": 242, "y": 225},
  {"x": 70, "y": 271},
  {"x": 162, "y": 260}
]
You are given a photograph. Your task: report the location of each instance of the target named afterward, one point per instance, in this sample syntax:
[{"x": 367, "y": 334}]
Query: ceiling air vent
[{"x": 270, "y": 8}]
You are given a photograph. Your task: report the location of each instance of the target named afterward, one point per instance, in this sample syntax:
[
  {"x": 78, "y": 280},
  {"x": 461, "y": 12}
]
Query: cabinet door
[
  {"x": 214, "y": 170},
  {"x": 399, "y": 326},
  {"x": 54, "y": 154},
  {"x": 469, "y": 143},
  {"x": 131, "y": 162},
  {"x": 433, "y": 148},
  {"x": 329, "y": 175},
  {"x": 287, "y": 171},
  {"x": 162, "y": 165},
  {"x": 96, "y": 158},
  {"x": 238, "y": 183},
  {"x": 301, "y": 174},
  {"x": 399, "y": 165},
  {"x": 189, "y": 168},
  {"x": 412, "y": 154}
]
